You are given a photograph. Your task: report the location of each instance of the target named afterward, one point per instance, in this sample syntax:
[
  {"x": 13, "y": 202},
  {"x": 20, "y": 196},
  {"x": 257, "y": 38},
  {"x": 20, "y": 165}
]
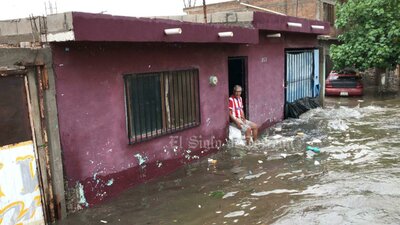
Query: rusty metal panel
[{"x": 14, "y": 113}]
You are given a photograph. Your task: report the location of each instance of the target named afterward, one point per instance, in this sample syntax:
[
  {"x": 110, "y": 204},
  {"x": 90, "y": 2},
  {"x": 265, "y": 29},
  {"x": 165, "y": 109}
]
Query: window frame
[
  {"x": 328, "y": 17},
  {"x": 194, "y": 77}
]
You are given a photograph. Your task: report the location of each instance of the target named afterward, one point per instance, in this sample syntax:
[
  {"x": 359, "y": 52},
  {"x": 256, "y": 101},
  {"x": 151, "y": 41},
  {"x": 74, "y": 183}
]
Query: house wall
[
  {"x": 266, "y": 74},
  {"x": 90, "y": 96},
  {"x": 98, "y": 160}
]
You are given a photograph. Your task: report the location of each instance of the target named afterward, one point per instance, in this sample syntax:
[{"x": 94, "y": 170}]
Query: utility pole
[{"x": 205, "y": 11}]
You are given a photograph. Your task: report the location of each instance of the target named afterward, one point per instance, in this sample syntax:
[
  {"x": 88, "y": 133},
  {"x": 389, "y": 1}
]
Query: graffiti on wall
[{"x": 20, "y": 201}]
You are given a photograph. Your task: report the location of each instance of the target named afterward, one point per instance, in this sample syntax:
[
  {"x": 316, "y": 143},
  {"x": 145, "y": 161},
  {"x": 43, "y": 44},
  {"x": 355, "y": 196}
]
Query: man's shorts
[{"x": 245, "y": 126}]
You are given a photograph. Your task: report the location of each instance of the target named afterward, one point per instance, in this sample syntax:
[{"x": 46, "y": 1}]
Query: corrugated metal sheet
[
  {"x": 316, "y": 73},
  {"x": 301, "y": 74}
]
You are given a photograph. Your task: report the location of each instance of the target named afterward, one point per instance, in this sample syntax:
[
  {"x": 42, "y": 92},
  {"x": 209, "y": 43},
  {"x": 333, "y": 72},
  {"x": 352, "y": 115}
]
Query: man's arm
[
  {"x": 243, "y": 116},
  {"x": 234, "y": 119}
]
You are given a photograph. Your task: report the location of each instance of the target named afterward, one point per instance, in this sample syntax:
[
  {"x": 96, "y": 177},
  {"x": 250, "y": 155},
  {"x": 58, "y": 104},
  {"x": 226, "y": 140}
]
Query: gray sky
[{"x": 12, "y": 9}]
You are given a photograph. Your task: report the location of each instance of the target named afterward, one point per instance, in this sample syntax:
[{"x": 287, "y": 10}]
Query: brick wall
[
  {"x": 309, "y": 9},
  {"x": 299, "y": 8}
]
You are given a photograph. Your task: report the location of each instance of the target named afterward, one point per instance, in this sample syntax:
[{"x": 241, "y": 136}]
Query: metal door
[
  {"x": 20, "y": 197},
  {"x": 302, "y": 74}
]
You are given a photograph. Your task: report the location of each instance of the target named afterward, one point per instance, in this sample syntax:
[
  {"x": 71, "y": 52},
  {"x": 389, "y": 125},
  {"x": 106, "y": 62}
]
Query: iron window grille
[
  {"x": 329, "y": 13},
  {"x": 161, "y": 103}
]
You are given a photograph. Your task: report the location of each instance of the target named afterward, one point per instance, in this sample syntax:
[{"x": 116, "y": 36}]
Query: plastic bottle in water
[{"x": 314, "y": 149}]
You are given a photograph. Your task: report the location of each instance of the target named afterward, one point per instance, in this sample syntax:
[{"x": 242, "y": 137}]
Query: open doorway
[{"x": 237, "y": 72}]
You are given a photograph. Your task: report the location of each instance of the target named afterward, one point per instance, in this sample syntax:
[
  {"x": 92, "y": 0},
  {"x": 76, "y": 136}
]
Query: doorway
[{"x": 237, "y": 75}]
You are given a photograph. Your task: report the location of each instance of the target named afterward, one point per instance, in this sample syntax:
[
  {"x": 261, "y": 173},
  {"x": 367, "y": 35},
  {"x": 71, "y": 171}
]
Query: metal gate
[
  {"x": 20, "y": 195},
  {"x": 302, "y": 74}
]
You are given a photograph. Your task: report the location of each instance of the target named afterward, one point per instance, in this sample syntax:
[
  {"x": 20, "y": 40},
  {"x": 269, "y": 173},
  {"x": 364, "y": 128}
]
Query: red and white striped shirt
[{"x": 236, "y": 105}]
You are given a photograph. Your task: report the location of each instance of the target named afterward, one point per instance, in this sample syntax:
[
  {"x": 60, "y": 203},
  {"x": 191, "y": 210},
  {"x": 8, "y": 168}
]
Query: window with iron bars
[
  {"x": 329, "y": 13},
  {"x": 161, "y": 103}
]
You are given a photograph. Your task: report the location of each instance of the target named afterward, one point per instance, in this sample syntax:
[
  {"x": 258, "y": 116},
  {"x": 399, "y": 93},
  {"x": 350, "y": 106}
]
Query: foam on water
[{"x": 362, "y": 185}]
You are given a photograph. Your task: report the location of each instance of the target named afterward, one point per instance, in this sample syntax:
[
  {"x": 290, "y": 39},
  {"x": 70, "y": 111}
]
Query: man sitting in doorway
[{"x": 237, "y": 117}]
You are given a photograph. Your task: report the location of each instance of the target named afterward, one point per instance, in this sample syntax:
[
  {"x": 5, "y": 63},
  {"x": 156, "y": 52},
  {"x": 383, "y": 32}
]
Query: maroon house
[
  {"x": 137, "y": 98},
  {"x": 130, "y": 98}
]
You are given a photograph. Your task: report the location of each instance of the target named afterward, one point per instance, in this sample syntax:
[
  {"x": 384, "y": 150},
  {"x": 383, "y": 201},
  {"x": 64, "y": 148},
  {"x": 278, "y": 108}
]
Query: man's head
[{"x": 237, "y": 90}]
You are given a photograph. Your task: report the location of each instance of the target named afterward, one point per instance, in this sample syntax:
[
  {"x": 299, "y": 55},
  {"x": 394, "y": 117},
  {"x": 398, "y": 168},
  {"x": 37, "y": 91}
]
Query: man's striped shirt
[{"x": 236, "y": 105}]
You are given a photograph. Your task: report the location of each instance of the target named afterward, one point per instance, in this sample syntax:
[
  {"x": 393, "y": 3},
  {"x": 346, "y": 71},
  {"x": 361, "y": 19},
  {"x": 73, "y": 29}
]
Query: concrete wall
[{"x": 31, "y": 29}]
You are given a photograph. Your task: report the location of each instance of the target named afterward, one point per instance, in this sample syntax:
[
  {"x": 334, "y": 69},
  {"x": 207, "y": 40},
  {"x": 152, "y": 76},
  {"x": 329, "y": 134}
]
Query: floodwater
[{"x": 355, "y": 179}]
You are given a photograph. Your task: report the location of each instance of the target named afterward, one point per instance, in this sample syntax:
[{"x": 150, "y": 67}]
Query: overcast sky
[{"x": 12, "y": 9}]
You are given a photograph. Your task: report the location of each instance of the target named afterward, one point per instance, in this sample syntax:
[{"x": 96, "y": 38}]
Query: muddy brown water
[{"x": 355, "y": 179}]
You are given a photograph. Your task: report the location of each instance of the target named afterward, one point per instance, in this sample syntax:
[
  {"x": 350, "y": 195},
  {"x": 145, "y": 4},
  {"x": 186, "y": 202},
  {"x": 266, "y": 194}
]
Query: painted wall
[
  {"x": 90, "y": 96},
  {"x": 98, "y": 160},
  {"x": 266, "y": 74}
]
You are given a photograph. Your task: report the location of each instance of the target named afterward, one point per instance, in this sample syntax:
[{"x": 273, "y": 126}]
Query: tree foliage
[{"x": 371, "y": 34}]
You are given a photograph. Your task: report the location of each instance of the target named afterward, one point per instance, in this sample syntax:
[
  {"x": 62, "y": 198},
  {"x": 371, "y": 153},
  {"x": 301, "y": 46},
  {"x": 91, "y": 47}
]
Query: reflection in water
[{"x": 354, "y": 180}]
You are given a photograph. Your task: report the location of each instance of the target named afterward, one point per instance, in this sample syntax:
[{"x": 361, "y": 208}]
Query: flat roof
[{"x": 100, "y": 27}]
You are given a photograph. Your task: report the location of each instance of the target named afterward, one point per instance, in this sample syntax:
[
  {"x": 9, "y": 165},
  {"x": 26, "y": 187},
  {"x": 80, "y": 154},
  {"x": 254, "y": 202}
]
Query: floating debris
[
  {"x": 229, "y": 194},
  {"x": 234, "y": 214},
  {"x": 314, "y": 149},
  {"x": 217, "y": 194},
  {"x": 277, "y": 191},
  {"x": 212, "y": 161},
  {"x": 248, "y": 177},
  {"x": 276, "y": 136}
]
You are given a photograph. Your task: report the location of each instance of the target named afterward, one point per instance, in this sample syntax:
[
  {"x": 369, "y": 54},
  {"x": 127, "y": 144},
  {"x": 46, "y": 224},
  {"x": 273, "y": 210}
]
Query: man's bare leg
[
  {"x": 254, "y": 129},
  {"x": 255, "y": 134}
]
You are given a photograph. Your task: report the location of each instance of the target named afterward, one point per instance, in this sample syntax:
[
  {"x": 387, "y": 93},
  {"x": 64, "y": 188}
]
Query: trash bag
[
  {"x": 235, "y": 136},
  {"x": 300, "y": 106}
]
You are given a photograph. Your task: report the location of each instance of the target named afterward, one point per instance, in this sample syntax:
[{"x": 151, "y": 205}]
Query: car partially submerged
[{"x": 345, "y": 83}]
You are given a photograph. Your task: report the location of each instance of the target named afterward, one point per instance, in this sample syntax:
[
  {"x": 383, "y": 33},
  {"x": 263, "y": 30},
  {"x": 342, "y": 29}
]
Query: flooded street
[{"x": 355, "y": 179}]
